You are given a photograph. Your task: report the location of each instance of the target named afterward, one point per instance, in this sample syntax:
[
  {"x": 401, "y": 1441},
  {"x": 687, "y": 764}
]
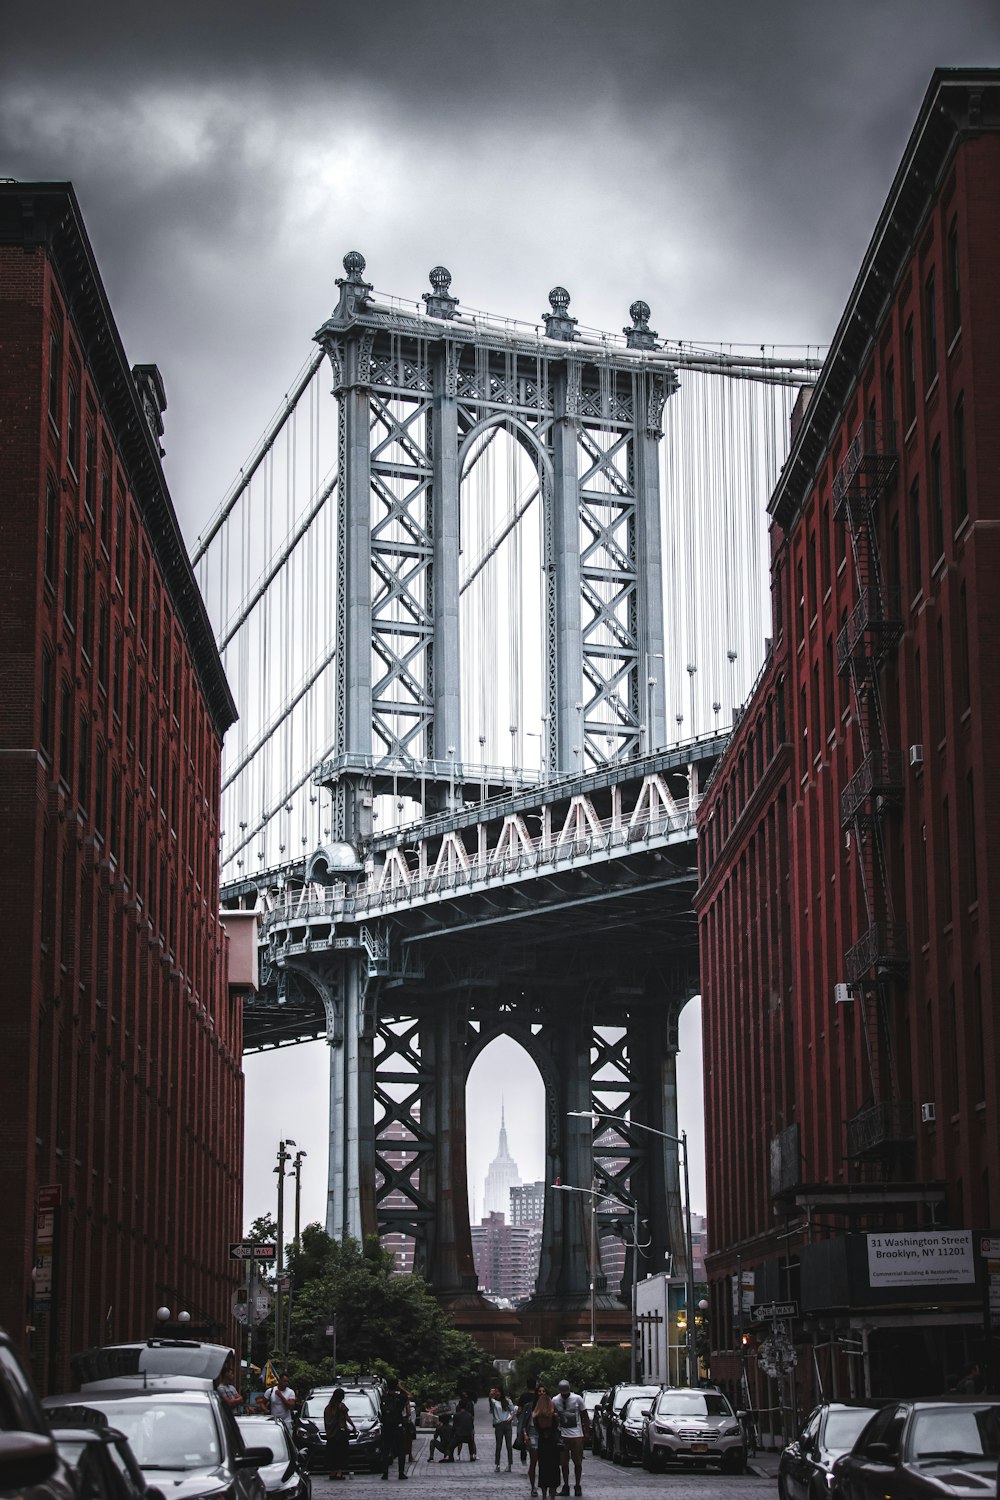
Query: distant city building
[
  {"x": 501, "y": 1177},
  {"x": 397, "y": 1242},
  {"x": 527, "y": 1203},
  {"x": 506, "y": 1257}
]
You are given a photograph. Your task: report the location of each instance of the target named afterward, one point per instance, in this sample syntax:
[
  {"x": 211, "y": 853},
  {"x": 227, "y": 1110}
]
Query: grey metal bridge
[{"x": 494, "y": 560}]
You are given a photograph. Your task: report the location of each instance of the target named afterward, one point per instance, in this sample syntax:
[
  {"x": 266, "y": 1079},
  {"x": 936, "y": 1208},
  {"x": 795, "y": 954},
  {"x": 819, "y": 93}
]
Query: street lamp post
[
  {"x": 596, "y": 1193},
  {"x": 283, "y": 1155},
  {"x": 681, "y": 1141}
]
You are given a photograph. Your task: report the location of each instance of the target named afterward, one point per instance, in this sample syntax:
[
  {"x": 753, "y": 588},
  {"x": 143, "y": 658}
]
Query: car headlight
[
  {"x": 731, "y": 1431},
  {"x": 664, "y": 1427}
]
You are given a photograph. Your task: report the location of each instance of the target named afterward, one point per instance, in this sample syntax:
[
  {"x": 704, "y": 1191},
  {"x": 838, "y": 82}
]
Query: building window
[
  {"x": 953, "y": 1051},
  {"x": 937, "y": 500},
  {"x": 51, "y": 523},
  {"x": 116, "y": 676},
  {"x": 140, "y": 855},
  {"x": 970, "y": 796},
  {"x": 942, "y": 696},
  {"x": 811, "y": 554},
  {"x": 127, "y": 837},
  {"x": 154, "y": 634},
  {"x": 961, "y": 470},
  {"x": 979, "y": 1054},
  {"x": 889, "y": 396},
  {"x": 918, "y": 698},
  {"x": 916, "y": 559},
  {"x": 130, "y": 701},
  {"x": 954, "y": 282},
  {"x": 930, "y": 329},
  {"x": 830, "y": 687},
  {"x": 72, "y": 426},
  {"x": 87, "y": 611},
  {"x": 154, "y": 727},
  {"x": 945, "y": 861},
  {"x": 965, "y": 681},
  {"x": 103, "y": 640},
  {"x": 89, "y": 476},
  {"x": 133, "y": 574},
  {"x": 114, "y": 812},
  {"x": 65, "y": 720},
  {"x": 824, "y": 546},
  {"x": 100, "y": 771},
  {"x": 143, "y": 712},
  {"x": 69, "y": 577},
  {"x": 54, "y": 379},
  {"x": 800, "y": 590},
  {"x": 83, "y": 763},
  {"x": 47, "y": 703},
  {"x": 909, "y": 374},
  {"x": 119, "y": 538},
  {"x": 105, "y": 526}
]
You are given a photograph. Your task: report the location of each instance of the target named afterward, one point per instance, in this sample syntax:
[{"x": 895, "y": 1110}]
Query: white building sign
[{"x": 940, "y": 1257}]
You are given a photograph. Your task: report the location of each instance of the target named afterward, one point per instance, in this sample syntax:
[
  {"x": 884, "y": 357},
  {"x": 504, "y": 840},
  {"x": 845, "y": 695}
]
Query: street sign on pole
[
  {"x": 250, "y": 1250},
  {"x": 765, "y": 1312}
]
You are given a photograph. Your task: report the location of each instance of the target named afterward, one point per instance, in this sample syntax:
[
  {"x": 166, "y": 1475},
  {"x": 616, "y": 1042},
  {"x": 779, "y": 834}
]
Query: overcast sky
[{"x": 725, "y": 161}]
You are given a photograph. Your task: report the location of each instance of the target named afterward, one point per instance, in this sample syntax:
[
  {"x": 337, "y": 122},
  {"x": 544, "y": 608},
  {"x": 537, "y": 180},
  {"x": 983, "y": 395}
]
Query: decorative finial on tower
[
  {"x": 439, "y": 303},
  {"x": 640, "y": 335},
  {"x": 558, "y": 323},
  {"x": 355, "y": 292}
]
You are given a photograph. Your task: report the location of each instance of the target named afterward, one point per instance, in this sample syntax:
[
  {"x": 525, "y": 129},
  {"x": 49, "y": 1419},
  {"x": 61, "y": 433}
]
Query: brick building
[
  {"x": 120, "y": 1084},
  {"x": 848, "y": 913},
  {"x": 506, "y": 1257}
]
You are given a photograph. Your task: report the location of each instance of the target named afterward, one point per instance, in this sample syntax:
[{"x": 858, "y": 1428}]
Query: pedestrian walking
[
  {"x": 525, "y": 1402},
  {"x": 502, "y": 1413},
  {"x": 571, "y": 1413},
  {"x": 339, "y": 1424},
  {"x": 395, "y": 1409},
  {"x": 282, "y": 1401},
  {"x": 546, "y": 1425},
  {"x": 467, "y": 1405}
]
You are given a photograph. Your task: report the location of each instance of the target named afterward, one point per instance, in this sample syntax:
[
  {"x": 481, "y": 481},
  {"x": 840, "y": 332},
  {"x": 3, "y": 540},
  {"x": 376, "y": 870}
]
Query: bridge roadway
[{"x": 583, "y": 882}]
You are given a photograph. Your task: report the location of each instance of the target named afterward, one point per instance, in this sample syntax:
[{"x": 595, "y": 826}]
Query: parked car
[
  {"x": 627, "y": 1428},
  {"x": 918, "y": 1448},
  {"x": 365, "y": 1446},
  {"x": 111, "y": 1363},
  {"x": 590, "y": 1401},
  {"x": 30, "y": 1465},
  {"x": 188, "y": 1438},
  {"x": 695, "y": 1427},
  {"x": 613, "y": 1401},
  {"x": 100, "y": 1461},
  {"x": 832, "y": 1429},
  {"x": 286, "y": 1475}
]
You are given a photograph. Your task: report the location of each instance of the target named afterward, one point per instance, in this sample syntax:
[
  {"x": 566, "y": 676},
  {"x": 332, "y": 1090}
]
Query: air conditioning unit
[
  {"x": 928, "y": 1113},
  {"x": 916, "y": 755},
  {"x": 842, "y": 994}
]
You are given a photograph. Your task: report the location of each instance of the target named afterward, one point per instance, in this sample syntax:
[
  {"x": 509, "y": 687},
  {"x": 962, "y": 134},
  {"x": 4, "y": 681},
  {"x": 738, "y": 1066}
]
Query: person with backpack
[
  {"x": 395, "y": 1410},
  {"x": 571, "y": 1414},
  {"x": 502, "y": 1412}
]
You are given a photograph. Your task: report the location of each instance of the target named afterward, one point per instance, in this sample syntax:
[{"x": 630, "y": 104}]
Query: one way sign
[{"x": 249, "y": 1250}]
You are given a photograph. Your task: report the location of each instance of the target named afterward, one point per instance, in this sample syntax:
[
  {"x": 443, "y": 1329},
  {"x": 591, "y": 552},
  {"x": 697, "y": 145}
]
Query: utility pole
[{"x": 297, "y": 1169}]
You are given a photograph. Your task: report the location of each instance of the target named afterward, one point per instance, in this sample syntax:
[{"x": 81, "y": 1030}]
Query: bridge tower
[{"x": 420, "y": 395}]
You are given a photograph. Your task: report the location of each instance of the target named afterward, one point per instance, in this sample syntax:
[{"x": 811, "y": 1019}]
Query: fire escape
[{"x": 878, "y": 962}]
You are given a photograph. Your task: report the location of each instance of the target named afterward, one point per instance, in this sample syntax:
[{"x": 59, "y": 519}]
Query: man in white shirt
[
  {"x": 571, "y": 1414},
  {"x": 282, "y": 1401}
]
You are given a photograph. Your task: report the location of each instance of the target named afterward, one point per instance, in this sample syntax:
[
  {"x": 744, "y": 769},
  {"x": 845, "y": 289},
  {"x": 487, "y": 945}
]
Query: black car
[
  {"x": 611, "y": 1402},
  {"x": 186, "y": 1439},
  {"x": 30, "y": 1465},
  {"x": 100, "y": 1461},
  {"x": 915, "y": 1449},
  {"x": 625, "y": 1446},
  {"x": 365, "y": 1446},
  {"x": 286, "y": 1476},
  {"x": 832, "y": 1429}
]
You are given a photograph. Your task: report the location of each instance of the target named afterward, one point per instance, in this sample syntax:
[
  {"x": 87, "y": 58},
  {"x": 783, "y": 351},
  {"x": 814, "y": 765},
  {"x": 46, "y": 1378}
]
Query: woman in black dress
[
  {"x": 338, "y": 1422},
  {"x": 543, "y": 1419}
]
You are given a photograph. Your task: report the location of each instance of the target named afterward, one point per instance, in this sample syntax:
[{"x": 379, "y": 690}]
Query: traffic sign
[
  {"x": 249, "y": 1250},
  {"x": 763, "y": 1312}
]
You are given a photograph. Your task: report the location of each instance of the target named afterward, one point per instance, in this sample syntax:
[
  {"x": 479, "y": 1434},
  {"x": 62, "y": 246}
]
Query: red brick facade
[
  {"x": 120, "y": 1083},
  {"x": 852, "y": 831}
]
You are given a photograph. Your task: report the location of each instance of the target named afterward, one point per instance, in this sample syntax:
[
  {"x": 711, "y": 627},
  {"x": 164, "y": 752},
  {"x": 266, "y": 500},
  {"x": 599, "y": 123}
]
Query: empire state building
[{"x": 501, "y": 1177}]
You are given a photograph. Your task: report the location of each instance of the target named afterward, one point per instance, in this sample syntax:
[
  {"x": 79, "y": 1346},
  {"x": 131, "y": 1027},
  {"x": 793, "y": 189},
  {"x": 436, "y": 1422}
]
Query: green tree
[
  {"x": 586, "y": 1369},
  {"x": 384, "y": 1322}
]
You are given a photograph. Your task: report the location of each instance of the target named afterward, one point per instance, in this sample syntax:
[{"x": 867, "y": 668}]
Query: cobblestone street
[{"x": 601, "y": 1480}]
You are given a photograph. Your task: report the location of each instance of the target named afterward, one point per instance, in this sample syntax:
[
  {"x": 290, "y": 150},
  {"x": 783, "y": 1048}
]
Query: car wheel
[
  {"x": 647, "y": 1459},
  {"x": 595, "y": 1445},
  {"x": 735, "y": 1463}
]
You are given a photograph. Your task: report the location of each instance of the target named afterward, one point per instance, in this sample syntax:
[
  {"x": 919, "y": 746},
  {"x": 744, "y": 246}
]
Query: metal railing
[
  {"x": 880, "y": 775},
  {"x": 888, "y": 1123},
  {"x": 884, "y": 948},
  {"x": 868, "y": 465}
]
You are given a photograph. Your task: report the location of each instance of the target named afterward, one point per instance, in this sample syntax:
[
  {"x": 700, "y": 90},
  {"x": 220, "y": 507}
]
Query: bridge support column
[
  {"x": 652, "y": 661},
  {"x": 446, "y": 727},
  {"x": 563, "y": 584},
  {"x": 449, "y": 1265},
  {"x": 351, "y": 1183},
  {"x": 564, "y": 1264}
]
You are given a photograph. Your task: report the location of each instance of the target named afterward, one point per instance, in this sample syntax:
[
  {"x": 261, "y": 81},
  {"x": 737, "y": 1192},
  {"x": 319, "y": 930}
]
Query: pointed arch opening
[{"x": 505, "y": 1120}]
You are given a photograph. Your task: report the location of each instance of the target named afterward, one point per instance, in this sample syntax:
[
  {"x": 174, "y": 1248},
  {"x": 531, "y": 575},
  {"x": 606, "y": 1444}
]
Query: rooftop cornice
[
  {"x": 959, "y": 103},
  {"x": 47, "y": 215}
]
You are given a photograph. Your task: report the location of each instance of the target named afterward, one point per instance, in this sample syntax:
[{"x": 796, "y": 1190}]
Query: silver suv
[{"x": 693, "y": 1426}]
